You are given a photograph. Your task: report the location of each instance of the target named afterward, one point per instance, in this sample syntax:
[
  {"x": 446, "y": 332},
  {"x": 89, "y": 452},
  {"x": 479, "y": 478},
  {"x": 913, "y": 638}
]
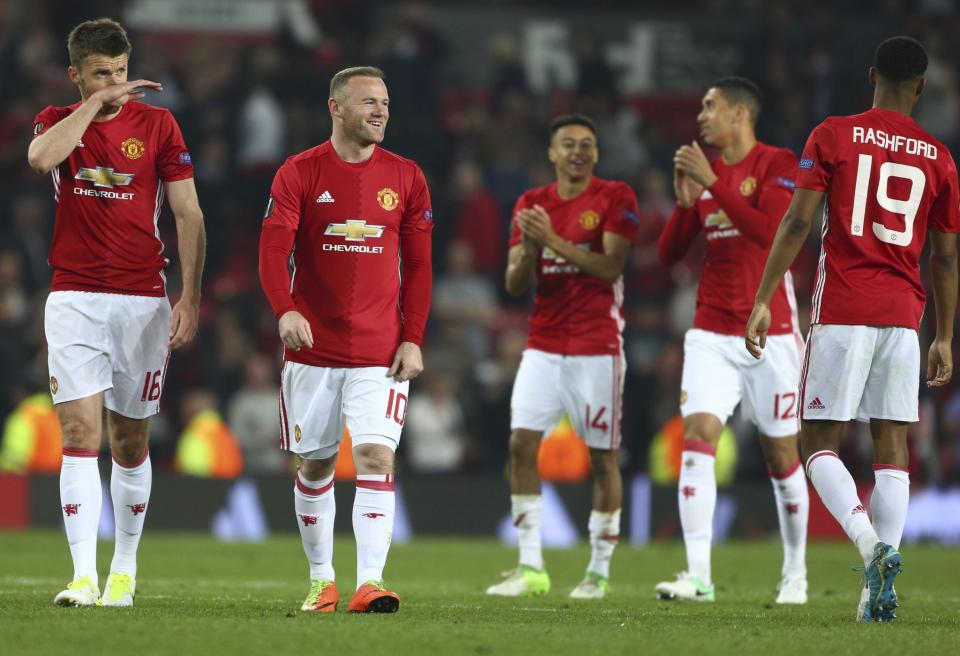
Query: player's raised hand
[
  {"x": 939, "y": 363},
  {"x": 184, "y": 320},
  {"x": 295, "y": 331},
  {"x": 757, "y": 326},
  {"x": 693, "y": 161},
  {"x": 118, "y": 94},
  {"x": 685, "y": 188},
  {"x": 407, "y": 363}
]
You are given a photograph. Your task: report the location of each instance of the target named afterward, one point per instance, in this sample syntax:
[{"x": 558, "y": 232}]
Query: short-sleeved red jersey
[
  {"x": 109, "y": 194},
  {"x": 575, "y": 313},
  {"x": 739, "y": 216},
  {"x": 887, "y": 181},
  {"x": 350, "y": 227}
]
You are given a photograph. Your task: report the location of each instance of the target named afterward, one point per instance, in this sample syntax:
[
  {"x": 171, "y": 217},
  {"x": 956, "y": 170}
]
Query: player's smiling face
[
  {"x": 97, "y": 72},
  {"x": 716, "y": 118},
  {"x": 365, "y": 109},
  {"x": 573, "y": 151}
]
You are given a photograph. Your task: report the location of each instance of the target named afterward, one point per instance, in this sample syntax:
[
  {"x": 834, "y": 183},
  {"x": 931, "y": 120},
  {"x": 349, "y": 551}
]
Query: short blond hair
[{"x": 340, "y": 80}]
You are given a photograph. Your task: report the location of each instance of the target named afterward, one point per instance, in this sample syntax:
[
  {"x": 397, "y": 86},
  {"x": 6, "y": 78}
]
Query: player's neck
[
  {"x": 568, "y": 188},
  {"x": 893, "y": 101},
  {"x": 738, "y": 148},
  {"x": 350, "y": 151}
]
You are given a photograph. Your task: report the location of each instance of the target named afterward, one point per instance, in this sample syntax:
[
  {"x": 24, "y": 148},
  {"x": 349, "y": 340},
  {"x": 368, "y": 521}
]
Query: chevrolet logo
[
  {"x": 104, "y": 177},
  {"x": 354, "y": 230}
]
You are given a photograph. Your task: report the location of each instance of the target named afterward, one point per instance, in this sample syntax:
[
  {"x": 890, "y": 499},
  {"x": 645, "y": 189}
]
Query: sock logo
[
  {"x": 792, "y": 508},
  {"x": 858, "y": 509},
  {"x": 688, "y": 491},
  {"x": 308, "y": 520},
  {"x": 519, "y": 519},
  {"x": 816, "y": 404},
  {"x": 137, "y": 508},
  {"x": 71, "y": 509},
  {"x": 373, "y": 515}
]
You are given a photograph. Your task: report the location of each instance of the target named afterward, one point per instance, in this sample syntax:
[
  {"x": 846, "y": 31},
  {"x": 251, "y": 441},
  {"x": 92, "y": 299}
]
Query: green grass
[{"x": 198, "y": 596}]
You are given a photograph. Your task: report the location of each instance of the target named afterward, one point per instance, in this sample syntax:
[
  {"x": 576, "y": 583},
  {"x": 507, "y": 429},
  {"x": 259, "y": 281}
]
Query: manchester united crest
[
  {"x": 297, "y": 433},
  {"x": 748, "y": 186},
  {"x": 132, "y": 148},
  {"x": 589, "y": 220},
  {"x": 388, "y": 199},
  {"x": 54, "y": 385}
]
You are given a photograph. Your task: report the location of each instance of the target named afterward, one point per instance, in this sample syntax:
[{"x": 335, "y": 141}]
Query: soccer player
[
  {"x": 572, "y": 239},
  {"x": 358, "y": 221},
  {"x": 736, "y": 201},
  {"x": 108, "y": 322},
  {"x": 885, "y": 183}
]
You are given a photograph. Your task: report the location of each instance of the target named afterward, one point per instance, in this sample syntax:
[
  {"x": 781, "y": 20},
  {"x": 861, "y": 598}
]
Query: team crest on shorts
[
  {"x": 388, "y": 199},
  {"x": 748, "y": 186},
  {"x": 683, "y": 396},
  {"x": 589, "y": 220},
  {"x": 297, "y": 433},
  {"x": 54, "y": 385},
  {"x": 132, "y": 148}
]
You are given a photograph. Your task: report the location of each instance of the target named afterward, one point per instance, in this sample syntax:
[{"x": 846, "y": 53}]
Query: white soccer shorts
[
  {"x": 861, "y": 372},
  {"x": 112, "y": 343},
  {"x": 316, "y": 403},
  {"x": 587, "y": 388},
  {"x": 719, "y": 373}
]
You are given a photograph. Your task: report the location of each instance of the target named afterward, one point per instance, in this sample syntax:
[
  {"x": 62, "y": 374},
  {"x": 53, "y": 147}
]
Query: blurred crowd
[{"x": 245, "y": 106}]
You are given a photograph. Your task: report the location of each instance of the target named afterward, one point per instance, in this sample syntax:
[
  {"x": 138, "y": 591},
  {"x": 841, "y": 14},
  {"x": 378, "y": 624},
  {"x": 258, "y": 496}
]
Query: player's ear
[
  {"x": 920, "y": 85},
  {"x": 333, "y": 106},
  {"x": 74, "y": 74},
  {"x": 872, "y": 76}
]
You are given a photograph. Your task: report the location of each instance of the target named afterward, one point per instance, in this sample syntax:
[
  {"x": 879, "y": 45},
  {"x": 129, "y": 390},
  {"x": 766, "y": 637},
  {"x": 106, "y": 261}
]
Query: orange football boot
[
  {"x": 322, "y": 598},
  {"x": 372, "y": 597}
]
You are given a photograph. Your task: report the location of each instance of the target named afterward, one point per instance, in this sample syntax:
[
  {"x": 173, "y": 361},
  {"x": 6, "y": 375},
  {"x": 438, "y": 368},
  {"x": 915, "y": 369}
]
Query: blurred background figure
[{"x": 207, "y": 447}]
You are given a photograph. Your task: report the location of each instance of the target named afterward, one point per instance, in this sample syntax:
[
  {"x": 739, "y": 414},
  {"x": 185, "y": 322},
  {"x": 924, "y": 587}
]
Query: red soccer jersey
[
  {"x": 739, "y": 215},
  {"x": 575, "y": 313},
  {"x": 109, "y": 193},
  {"x": 349, "y": 226},
  {"x": 886, "y": 181}
]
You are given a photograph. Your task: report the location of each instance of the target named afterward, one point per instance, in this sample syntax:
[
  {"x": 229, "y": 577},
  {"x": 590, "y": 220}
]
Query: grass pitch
[{"x": 199, "y": 596}]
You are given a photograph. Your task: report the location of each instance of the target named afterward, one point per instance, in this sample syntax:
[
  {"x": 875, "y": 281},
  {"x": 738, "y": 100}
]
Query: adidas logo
[
  {"x": 325, "y": 197},
  {"x": 858, "y": 509},
  {"x": 816, "y": 404}
]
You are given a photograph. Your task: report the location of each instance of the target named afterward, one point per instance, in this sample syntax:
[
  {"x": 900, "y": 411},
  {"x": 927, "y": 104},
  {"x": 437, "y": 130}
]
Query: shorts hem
[
  {"x": 324, "y": 453},
  {"x": 866, "y": 419},
  {"x": 777, "y": 435},
  {"x": 375, "y": 438},
  {"x": 705, "y": 411},
  {"x": 77, "y": 397}
]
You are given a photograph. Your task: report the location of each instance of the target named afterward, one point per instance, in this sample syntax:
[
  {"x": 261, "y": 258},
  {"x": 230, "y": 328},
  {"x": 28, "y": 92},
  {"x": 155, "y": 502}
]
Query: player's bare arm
[
  {"x": 53, "y": 146},
  {"x": 521, "y": 265},
  {"x": 943, "y": 267},
  {"x": 786, "y": 245},
  {"x": 693, "y": 162},
  {"x": 191, "y": 245},
  {"x": 407, "y": 363},
  {"x": 607, "y": 266}
]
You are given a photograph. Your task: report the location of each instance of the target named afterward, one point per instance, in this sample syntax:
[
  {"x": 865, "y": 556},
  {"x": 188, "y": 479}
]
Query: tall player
[
  {"x": 886, "y": 183},
  {"x": 571, "y": 239},
  {"x": 351, "y": 324},
  {"x": 736, "y": 201},
  {"x": 108, "y": 323}
]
